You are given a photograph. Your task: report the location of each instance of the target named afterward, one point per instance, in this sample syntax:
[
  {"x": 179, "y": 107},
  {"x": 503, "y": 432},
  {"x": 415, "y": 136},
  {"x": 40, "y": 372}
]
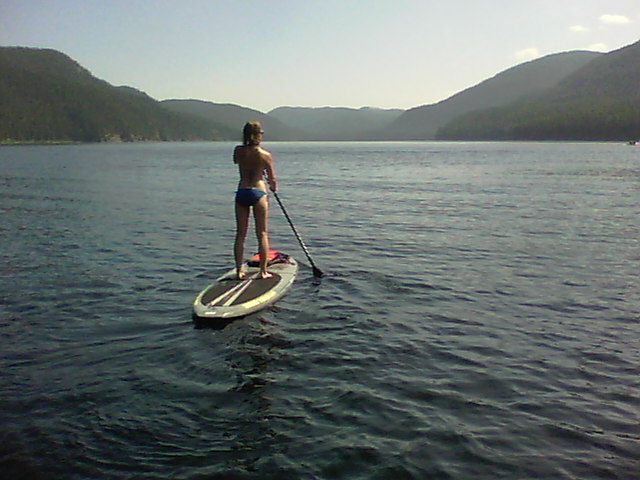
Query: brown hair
[{"x": 251, "y": 133}]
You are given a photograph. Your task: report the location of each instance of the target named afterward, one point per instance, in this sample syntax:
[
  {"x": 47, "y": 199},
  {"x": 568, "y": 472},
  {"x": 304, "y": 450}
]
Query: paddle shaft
[{"x": 316, "y": 271}]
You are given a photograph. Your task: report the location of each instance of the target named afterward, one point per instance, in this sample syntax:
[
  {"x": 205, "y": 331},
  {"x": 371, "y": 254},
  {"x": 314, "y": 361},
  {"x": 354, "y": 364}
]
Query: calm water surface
[{"x": 479, "y": 317}]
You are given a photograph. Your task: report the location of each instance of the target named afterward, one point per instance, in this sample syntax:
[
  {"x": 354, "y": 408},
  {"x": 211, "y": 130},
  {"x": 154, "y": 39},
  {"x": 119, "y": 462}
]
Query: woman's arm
[{"x": 270, "y": 170}]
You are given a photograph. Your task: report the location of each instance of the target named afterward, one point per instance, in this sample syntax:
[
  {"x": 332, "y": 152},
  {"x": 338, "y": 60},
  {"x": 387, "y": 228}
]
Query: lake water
[{"x": 479, "y": 317}]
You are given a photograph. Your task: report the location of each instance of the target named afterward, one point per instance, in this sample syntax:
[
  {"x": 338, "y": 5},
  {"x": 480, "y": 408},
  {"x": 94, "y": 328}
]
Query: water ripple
[{"x": 487, "y": 329}]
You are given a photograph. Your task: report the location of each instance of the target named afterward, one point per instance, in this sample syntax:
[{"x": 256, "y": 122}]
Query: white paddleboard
[{"x": 229, "y": 297}]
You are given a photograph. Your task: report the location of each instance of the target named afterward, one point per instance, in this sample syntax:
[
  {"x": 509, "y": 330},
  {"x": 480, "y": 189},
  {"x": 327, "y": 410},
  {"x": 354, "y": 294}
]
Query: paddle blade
[{"x": 317, "y": 272}]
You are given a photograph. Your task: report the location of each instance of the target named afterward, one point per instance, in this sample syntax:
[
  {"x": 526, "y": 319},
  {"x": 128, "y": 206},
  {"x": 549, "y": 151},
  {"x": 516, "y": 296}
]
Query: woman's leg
[
  {"x": 261, "y": 216},
  {"x": 242, "y": 224}
]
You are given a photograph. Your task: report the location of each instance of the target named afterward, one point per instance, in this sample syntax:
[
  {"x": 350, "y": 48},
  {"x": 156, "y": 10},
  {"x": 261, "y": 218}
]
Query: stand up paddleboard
[{"x": 229, "y": 297}]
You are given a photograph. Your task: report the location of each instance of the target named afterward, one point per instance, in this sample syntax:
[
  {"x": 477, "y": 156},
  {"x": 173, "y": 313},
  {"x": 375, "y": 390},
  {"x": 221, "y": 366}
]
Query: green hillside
[
  {"x": 233, "y": 118},
  {"x": 597, "y": 102},
  {"x": 522, "y": 81},
  {"x": 45, "y": 96}
]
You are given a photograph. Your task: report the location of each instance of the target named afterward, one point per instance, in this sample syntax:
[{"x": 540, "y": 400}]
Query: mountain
[
  {"x": 522, "y": 81},
  {"x": 47, "y": 96},
  {"x": 330, "y": 123},
  {"x": 233, "y": 118},
  {"x": 597, "y": 102}
]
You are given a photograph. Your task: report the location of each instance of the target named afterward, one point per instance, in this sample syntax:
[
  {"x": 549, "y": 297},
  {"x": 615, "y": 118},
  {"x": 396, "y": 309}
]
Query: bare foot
[
  {"x": 241, "y": 274},
  {"x": 265, "y": 275}
]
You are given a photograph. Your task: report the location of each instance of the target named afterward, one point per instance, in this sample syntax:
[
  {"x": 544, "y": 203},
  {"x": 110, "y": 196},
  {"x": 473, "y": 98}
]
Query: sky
[{"x": 313, "y": 53}]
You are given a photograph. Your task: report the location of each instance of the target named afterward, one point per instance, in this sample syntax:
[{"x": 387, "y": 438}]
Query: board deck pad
[
  {"x": 257, "y": 287},
  {"x": 219, "y": 289}
]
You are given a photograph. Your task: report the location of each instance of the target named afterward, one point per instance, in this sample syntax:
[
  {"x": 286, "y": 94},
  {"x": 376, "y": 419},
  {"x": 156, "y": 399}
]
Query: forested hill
[
  {"x": 47, "y": 96},
  {"x": 522, "y": 81},
  {"x": 234, "y": 117},
  {"x": 597, "y": 102}
]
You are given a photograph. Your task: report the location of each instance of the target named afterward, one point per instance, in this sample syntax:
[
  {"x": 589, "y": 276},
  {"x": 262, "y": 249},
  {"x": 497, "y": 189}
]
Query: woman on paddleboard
[{"x": 254, "y": 162}]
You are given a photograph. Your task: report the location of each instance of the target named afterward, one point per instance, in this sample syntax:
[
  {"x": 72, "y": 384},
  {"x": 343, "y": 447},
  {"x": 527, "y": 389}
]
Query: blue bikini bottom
[{"x": 248, "y": 197}]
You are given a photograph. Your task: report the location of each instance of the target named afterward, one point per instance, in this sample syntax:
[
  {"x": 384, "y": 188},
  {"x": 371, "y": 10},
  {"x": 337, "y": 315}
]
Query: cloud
[
  {"x": 579, "y": 28},
  {"x": 527, "y": 54},
  {"x": 615, "y": 19}
]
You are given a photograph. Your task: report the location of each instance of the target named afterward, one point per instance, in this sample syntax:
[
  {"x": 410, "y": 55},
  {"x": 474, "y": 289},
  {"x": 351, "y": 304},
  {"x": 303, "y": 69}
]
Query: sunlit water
[{"x": 479, "y": 316}]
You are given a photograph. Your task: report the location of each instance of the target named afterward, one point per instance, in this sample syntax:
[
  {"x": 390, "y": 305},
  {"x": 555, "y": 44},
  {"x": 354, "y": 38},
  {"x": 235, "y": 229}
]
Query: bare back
[{"x": 253, "y": 162}]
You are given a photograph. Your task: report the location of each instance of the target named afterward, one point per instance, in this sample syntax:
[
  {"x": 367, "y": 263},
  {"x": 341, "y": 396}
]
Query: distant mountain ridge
[
  {"x": 522, "y": 81},
  {"x": 336, "y": 123},
  {"x": 614, "y": 75},
  {"x": 233, "y": 117},
  {"x": 596, "y": 102},
  {"x": 47, "y": 96}
]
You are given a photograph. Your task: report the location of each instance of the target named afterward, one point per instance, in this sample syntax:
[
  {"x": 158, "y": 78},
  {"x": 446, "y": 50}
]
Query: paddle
[{"x": 316, "y": 271}]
